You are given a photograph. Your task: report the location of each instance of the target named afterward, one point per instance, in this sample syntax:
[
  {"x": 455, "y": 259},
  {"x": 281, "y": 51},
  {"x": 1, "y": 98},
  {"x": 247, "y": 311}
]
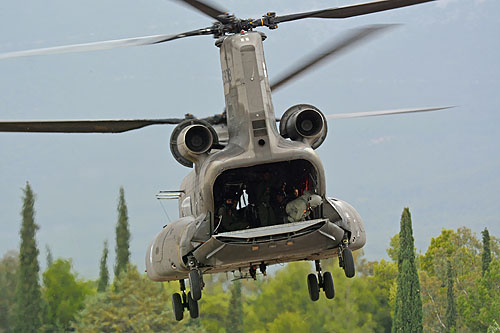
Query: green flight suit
[{"x": 229, "y": 219}]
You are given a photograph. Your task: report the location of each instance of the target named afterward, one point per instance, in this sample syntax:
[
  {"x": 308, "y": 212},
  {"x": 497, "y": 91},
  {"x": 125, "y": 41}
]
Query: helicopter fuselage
[{"x": 253, "y": 148}]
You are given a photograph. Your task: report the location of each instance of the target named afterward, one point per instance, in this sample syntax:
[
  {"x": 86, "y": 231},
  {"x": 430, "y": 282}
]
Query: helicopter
[{"x": 236, "y": 153}]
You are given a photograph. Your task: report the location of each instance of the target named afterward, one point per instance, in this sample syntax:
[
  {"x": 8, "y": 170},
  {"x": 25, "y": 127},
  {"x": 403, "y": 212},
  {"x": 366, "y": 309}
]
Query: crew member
[
  {"x": 298, "y": 209},
  {"x": 229, "y": 219},
  {"x": 263, "y": 198},
  {"x": 279, "y": 206}
]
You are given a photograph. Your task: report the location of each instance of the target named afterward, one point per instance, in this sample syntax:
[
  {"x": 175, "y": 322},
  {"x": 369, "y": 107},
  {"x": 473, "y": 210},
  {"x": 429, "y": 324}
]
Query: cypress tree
[
  {"x": 451, "y": 309},
  {"x": 486, "y": 258},
  {"x": 122, "y": 236},
  {"x": 103, "y": 270},
  {"x": 50, "y": 258},
  {"x": 408, "y": 310},
  {"x": 234, "y": 322},
  {"x": 28, "y": 296}
]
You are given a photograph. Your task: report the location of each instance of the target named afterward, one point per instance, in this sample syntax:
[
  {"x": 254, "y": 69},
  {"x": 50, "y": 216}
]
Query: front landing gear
[
  {"x": 179, "y": 303},
  {"x": 323, "y": 281},
  {"x": 346, "y": 261}
]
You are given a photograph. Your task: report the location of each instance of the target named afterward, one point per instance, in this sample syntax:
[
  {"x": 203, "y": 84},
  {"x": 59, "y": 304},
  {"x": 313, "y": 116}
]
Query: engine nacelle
[
  {"x": 304, "y": 122},
  {"x": 191, "y": 139}
]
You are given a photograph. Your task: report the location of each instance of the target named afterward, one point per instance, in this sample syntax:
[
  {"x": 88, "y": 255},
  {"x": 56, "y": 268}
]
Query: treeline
[{"x": 455, "y": 287}]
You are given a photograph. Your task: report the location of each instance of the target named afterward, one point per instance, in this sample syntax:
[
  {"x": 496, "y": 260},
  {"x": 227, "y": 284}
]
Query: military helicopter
[{"x": 249, "y": 177}]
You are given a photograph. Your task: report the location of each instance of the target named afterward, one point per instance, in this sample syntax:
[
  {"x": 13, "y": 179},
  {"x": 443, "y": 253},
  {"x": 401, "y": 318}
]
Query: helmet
[{"x": 314, "y": 201}]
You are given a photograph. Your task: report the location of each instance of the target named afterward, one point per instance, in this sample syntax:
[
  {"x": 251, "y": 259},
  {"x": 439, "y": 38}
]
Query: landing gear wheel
[
  {"x": 195, "y": 283},
  {"x": 348, "y": 261},
  {"x": 194, "y": 311},
  {"x": 313, "y": 287},
  {"x": 328, "y": 286},
  {"x": 177, "y": 306}
]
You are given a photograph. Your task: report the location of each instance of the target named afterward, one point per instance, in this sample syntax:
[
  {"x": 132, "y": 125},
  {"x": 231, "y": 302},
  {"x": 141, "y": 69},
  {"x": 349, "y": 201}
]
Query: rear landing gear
[
  {"x": 313, "y": 287},
  {"x": 186, "y": 301},
  {"x": 322, "y": 281}
]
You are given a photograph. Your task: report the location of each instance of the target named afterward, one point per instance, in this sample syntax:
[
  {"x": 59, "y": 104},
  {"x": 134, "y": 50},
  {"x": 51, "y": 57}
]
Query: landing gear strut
[
  {"x": 323, "y": 281},
  {"x": 346, "y": 260},
  {"x": 195, "y": 279},
  {"x": 188, "y": 301}
]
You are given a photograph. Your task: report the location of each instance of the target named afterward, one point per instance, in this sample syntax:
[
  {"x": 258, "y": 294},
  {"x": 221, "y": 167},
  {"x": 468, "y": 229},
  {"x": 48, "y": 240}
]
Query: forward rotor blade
[
  {"x": 83, "y": 126},
  {"x": 205, "y": 8},
  {"x": 350, "y": 11},
  {"x": 383, "y": 113},
  {"x": 335, "y": 48},
  {"x": 105, "y": 45}
]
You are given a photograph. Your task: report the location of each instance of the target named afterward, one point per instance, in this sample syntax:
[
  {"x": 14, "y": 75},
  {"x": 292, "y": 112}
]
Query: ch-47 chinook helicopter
[{"x": 242, "y": 163}]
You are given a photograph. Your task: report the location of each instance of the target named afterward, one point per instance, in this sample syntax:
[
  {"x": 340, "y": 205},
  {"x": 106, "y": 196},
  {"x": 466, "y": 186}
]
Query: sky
[{"x": 444, "y": 166}]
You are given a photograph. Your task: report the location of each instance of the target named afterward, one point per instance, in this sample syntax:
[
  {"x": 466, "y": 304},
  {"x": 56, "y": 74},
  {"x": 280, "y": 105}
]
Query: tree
[
  {"x": 234, "y": 320},
  {"x": 462, "y": 249},
  {"x": 136, "y": 305},
  {"x": 282, "y": 303},
  {"x": 122, "y": 236},
  {"x": 103, "y": 270},
  {"x": 9, "y": 266},
  {"x": 451, "y": 309},
  {"x": 408, "y": 305},
  {"x": 63, "y": 294},
  {"x": 393, "y": 250},
  {"x": 486, "y": 257},
  {"x": 28, "y": 296},
  {"x": 480, "y": 304},
  {"x": 50, "y": 259}
]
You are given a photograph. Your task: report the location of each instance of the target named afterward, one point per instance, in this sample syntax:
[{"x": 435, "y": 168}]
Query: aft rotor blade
[
  {"x": 205, "y": 8},
  {"x": 83, "y": 126},
  {"x": 350, "y": 11},
  {"x": 105, "y": 45},
  {"x": 383, "y": 113},
  {"x": 335, "y": 48}
]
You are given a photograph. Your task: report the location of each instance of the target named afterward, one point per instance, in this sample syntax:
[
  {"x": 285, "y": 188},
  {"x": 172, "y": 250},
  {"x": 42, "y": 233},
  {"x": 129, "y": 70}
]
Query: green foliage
[
  {"x": 103, "y": 270},
  {"x": 122, "y": 236},
  {"x": 461, "y": 248},
  {"x": 9, "y": 266},
  {"x": 408, "y": 304},
  {"x": 451, "y": 308},
  {"x": 494, "y": 328},
  {"x": 480, "y": 304},
  {"x": 28, "y": 296},
  {"x": 136, "y": 305},
  {"x": 283, "y": 303},
  {"x": 383, "y": 280},
  {"x": 214, "y": 305},
  {"x": 64, "y": 295},
  {"x": 234, "y": 320},
  {"x": 486, "y": 257},
  {"x": 393, "y": 250}
]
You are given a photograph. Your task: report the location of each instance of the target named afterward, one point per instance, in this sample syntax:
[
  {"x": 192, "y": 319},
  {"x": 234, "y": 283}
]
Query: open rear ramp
[{"x": 277, "y": 243}]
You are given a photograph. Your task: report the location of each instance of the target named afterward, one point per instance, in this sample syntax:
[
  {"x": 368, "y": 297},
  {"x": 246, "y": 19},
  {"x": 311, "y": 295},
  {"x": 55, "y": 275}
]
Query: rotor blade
[
  {"x": 83, "y": 126},
  {"x": 205, "y": 8},
  {"x": 350, "y": 11},
  {"x": 356, "y": 36},
  {"x": 382, "y": 113},
  {"x": 105, "y": 45}
]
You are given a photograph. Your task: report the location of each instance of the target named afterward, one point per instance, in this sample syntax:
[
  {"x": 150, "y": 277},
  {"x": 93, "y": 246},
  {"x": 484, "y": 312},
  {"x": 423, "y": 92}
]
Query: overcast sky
[{"x": 444, "y": 165}]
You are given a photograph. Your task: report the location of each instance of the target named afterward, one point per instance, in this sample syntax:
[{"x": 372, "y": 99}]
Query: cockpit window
[{"x": 186, "y": 207}]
